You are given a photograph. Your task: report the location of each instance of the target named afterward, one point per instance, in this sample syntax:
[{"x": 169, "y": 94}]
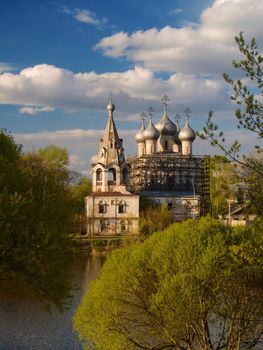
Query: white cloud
[
  {"x": 175, "y": 11},
  {"x": 53, "y": 87},
  {"x": 84, "y": 16},
  {"x": 207, "y": 48},
  {"x": 34, "y": 110}
]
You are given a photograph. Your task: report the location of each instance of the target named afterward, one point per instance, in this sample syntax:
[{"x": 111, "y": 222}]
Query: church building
[
  {"x": 111, "y": 209},
  {"x": 164, "y": 171}
]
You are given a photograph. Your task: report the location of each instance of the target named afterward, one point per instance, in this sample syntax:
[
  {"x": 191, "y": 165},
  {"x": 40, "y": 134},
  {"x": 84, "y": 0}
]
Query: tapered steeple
[
  {"x": 111, "y": 150},
  {"x": 110, "y": 173}
]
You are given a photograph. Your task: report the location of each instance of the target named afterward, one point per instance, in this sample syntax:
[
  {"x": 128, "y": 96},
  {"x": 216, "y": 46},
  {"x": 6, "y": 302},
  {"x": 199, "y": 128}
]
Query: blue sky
[{"x": 59, "y": 61}]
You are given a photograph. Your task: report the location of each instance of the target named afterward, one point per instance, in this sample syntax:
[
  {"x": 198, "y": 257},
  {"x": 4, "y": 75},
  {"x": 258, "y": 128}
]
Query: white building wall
[
  {"x": 185, "y": 207},
  {"x": 113, "y": 217},
  {"x": 186, "y": 148},
  {"x": 150, "y": 147}
]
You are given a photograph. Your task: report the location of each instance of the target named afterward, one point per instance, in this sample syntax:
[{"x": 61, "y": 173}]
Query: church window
[
  {"x": 111, "y": 174},
  {"x": 166, "y": 145},
  {"x": 98, "y": 175},
  {"x": 104, "y": 224},
  {"x": 102, "y": 207},
  {"x": 103, "y": 152},
  {"x": 122, "y": 207},
  {"x": 123, "y": 226}
]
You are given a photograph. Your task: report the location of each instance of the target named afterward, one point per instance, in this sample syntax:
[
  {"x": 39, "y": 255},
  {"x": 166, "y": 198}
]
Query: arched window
[
  {"x": 104, "y": 224},
  {"x": 98, "y": 175},
  {"x": 165, "y": 145},
  {"x": 102, "y": 207},
  {"x": 123, "y": 225},
  {"x": 103, "y": 152},
  {"x": 111, "y": 176},
  {"x": 122, "y": 207}
]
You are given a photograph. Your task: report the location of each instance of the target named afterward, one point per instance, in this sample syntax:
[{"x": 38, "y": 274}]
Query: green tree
[
  {"x": 154, "y": 217},
  {"x": 197, "y": 285},
  {"x": 249, "y": 115},
  {"x": 252, "y": 186},
  {"x": 55, "y": 155},
  {"x": 36, "y": 215},
  {"x": 80, "y": 188},
  {"x": 224, "y": 184}
]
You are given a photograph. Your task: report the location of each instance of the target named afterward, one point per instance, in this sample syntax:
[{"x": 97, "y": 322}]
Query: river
[{"x": 26, "y": 325}]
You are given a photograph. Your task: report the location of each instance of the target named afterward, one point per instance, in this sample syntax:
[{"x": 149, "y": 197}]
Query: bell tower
[{"x": 110, "y": 173}]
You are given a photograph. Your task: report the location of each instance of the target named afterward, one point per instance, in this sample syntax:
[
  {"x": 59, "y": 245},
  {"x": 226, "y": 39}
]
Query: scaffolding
[{"x": 173, "y": 173}]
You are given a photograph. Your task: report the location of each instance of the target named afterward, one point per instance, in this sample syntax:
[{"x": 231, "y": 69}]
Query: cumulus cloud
[
  {"x": 53, "y": 87},
  {"x": 34, "y": 110},
  {"x": 207, "y": 48},
  {"x": 84, "y": 16}
]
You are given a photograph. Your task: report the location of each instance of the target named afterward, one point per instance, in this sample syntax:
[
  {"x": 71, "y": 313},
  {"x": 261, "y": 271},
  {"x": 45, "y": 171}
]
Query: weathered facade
[{"x": 111, "y": 209}]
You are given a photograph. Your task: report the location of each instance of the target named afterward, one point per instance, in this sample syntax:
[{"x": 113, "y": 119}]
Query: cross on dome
[
  {"x": 150, "y": 111},
  {"x": 187, "y": 113},
  {"x": 143, "y": 117},
  {"x": 177, "y": 118},
  {"x": 165, "y": 100}
]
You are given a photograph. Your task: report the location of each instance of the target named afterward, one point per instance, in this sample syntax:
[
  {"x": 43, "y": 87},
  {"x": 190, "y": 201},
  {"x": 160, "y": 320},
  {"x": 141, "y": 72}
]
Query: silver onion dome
[
  {"x": 151, "y": 133},
  {"x": 187, "y": 133},
  {"x": 165, "y": 126},
  {"x": 176, "y": 138},
  {"x": 139, "y": 135},
  {"x": 110, "y": 106}
]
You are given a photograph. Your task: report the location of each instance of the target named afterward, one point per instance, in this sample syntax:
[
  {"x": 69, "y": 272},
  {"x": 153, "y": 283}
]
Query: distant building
[
  {"x": 164, "y": 171},
  {"x": 238, "y": 215}
]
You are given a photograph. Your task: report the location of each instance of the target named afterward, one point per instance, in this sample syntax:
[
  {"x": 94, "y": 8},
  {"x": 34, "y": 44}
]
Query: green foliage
[
  {"x": 36, "y": 216},
  {"x": 252, "y": 183},
  {"x": 249, "y": 115},
  {"x": 196, "y": 285},
  {"x": 223, "y": 184},
  {"x": 155, "y": 218},
  {"x": 79, "y": 190},
  {"x": 54, "y": 155}
]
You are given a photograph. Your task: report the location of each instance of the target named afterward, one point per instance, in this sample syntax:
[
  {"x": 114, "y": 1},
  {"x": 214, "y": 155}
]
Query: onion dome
[
  {"x": 151, "y": 133},
  {"x": 176, "y": 138},
  {"x": 110, "y": 107},
  {"x": 176, "y": 135},
  {"x": 187, "y": 133},
  {"x": 139, "y": 136},
  {"x": 165, "y": 126}
]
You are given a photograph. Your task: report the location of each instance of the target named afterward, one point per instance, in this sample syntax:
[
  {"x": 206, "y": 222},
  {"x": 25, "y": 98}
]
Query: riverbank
[{"x": 101, "y": 245}]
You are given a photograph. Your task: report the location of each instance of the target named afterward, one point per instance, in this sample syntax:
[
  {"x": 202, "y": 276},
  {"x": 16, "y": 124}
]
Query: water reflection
[{"x": 26, "y": 325}]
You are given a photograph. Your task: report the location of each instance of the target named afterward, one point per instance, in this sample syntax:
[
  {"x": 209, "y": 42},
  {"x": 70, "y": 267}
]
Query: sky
[{"x": 60, "y": 61}]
